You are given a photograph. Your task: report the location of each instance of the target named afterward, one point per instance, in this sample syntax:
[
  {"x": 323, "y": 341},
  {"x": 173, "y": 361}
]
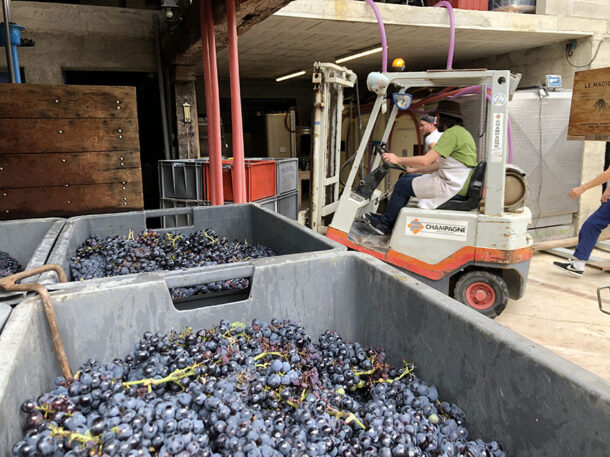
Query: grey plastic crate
[
  {"x": 179, "y": 220},
  {"x": 181, "y": 179},
  {"x": 288, "y": 205},
  {"x": 287, "y": 173},
  {"x": 268, "y": 203},
  {"x": 531, "y": 400},
  {"x": 247, "y": 221},
  {"x": 29, "y": 241}
]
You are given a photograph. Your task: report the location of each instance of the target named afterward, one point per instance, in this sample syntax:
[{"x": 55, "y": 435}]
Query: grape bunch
[
  {"x": 8, "y": 265},
  {"x": 259, "y": 390},
  {"x": 100, "y": 257}
]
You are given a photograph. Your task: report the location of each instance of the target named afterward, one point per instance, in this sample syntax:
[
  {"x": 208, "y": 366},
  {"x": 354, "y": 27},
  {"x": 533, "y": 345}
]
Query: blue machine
[{"x": 15, "y": 38}]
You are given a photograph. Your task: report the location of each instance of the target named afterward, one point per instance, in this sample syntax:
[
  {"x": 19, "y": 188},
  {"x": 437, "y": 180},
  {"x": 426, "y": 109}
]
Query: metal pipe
[
  {"x": 161, "y": 87},
  {"x": 239, "y": 172},
  {"x": 7, "y": 39},
  {"x": 212, "y": 100}
]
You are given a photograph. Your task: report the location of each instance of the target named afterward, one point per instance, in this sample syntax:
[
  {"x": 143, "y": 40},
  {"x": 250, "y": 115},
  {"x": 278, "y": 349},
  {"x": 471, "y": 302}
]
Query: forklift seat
[{"x": 474, "y": 194}]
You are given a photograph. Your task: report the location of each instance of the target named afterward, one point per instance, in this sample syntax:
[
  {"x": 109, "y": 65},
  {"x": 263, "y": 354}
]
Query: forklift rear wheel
[{"x": 483, "y": 291}]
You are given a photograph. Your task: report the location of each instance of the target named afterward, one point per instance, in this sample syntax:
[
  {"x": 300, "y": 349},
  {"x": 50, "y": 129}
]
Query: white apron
[{"x": 434, "y": 189}]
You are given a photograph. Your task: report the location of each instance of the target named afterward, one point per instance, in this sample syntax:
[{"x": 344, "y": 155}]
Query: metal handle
[
  {"x": 9, "y": 284},
  {"x": 204, "y": 275},
  {"x": 599, "y": 299}
]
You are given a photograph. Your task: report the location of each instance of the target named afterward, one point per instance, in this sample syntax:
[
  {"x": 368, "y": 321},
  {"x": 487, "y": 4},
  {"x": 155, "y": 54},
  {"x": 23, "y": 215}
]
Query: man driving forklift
[{"x": 448, "y": 166}]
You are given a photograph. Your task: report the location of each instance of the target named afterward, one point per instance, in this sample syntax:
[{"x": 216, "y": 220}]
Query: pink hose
[
  {"x": 384, "y": 43},
  {"x": 452, "y": 32}
]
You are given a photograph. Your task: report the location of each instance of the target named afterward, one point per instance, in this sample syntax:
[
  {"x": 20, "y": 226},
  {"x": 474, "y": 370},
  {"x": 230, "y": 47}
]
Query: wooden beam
[
  {"x": 71, "y": 201},
  {"x": 188, "y": 132},
  {"x": 51, "y": 101},
  {"x": 563, "y": 243},
  {"x": 185, "y": 47},
  {"x": 68, "y": 135},
  {"x": 68, "y": 169}
]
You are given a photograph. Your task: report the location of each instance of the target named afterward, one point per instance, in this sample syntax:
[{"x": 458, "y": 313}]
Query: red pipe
[
  {"x": 208, "y": 45},
  {"x": 239, "y": 172}
]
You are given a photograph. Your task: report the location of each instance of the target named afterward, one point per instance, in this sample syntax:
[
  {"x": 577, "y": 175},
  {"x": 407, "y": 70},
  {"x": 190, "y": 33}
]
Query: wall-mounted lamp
[
  {"x": 169, "y": 8},
  {"x": 186, "y": 109}
]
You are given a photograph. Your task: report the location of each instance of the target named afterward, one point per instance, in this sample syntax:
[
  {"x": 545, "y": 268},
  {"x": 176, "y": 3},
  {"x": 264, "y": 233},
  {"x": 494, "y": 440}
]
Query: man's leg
[
  {"x": 403, "y": 191},
  {"x": 590, "y": 231}
]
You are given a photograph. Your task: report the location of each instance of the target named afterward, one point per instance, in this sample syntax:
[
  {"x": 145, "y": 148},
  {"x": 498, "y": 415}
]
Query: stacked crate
[{"x": 185, "y": 183}]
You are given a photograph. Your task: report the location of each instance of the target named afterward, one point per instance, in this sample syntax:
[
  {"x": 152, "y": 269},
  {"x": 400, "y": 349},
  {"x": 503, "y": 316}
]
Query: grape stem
[
  {"x": 174, "y": 377},
  {"x": 74, "y": 436},
  {"x": 265, "y": 354}
]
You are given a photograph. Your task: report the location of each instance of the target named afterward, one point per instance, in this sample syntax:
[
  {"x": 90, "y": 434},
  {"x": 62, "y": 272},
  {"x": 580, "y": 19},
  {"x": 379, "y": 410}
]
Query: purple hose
[
  {"x": 384, "y": 43},
  {"x": 452, "y": 30}
]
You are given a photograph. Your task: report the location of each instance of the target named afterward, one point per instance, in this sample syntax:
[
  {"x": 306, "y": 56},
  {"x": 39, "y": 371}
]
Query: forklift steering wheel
[{"x": 381, "y": 148}]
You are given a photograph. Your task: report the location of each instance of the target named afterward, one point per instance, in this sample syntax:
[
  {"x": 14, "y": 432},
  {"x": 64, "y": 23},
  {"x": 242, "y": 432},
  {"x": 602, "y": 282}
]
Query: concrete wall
[
  {"x": 536, "y": 63},
  {"x": 579, "y": 8},
  {"x": 78, "y": 37}
]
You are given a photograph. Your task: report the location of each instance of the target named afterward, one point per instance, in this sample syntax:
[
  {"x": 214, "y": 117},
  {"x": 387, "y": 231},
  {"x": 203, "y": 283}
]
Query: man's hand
[
  {"x": 576, "y": 192},
  {"x": 390, "y": 158},
  {"x": 606, "y": 194}
]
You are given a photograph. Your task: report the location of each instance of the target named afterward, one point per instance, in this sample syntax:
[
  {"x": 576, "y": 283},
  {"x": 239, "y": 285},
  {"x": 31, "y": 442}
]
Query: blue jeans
[
  {"x": 403, "y": 191},
  {"x": 589, "y": 232}
]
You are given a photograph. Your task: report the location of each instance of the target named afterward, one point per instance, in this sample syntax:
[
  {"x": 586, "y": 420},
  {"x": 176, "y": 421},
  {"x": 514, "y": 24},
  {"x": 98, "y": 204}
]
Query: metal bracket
[
  {"x": 9, "y": 284},
  {"x": 599, "y": 299}
]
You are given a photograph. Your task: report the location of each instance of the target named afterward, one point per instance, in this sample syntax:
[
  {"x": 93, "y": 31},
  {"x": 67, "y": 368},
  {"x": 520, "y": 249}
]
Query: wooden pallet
[{"x": 594, "y": 262}]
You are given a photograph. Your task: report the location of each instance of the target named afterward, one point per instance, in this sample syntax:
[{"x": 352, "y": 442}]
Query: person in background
[
  {"x": 427, "y": 126},
  {"x": 448, "y": 166},
  {"x": 591, "y": 229}
]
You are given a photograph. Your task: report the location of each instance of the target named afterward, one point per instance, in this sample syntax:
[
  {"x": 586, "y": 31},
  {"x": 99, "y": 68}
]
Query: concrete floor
[{"x": 561, "y": 313}]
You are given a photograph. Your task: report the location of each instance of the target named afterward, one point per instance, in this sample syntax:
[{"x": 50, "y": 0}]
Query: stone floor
[{"x": 561, "y": 313}]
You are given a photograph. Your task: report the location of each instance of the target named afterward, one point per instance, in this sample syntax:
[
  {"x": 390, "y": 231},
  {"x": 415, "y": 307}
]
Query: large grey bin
[
  {"x": 531, "y": 400},
  {"x": 29, "y": 241},
  {"x": 5, "y": 311},
  {"x": 244, "y": 222}
]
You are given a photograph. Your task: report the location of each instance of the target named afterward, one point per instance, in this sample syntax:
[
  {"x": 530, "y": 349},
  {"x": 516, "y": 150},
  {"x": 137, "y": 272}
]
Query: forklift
[{"x": 475, "y": 249}]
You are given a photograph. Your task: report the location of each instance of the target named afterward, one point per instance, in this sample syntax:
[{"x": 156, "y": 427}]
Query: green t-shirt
[{"x": 457, "y": 142}]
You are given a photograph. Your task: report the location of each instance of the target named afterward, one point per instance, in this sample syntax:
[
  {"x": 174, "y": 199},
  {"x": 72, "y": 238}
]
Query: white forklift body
[{"x": 481, "y": 257}]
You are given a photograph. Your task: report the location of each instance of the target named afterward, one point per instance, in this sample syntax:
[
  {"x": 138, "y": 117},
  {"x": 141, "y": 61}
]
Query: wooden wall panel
[
  {"x": 68, "y": 135},
  {"x": 50, "y": 101},
  {"x": 68, "y": 150},
  {"x": 70, "y": 201},
  {"x": 61, "y": 169}
]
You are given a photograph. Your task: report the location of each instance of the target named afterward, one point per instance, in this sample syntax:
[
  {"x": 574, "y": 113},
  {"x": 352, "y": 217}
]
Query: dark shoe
[
  {"x": 569, "y": 267},
  {"x": 377, "y": 225}
]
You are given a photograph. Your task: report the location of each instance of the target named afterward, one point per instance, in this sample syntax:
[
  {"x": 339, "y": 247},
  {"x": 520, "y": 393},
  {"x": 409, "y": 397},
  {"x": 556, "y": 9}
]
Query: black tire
[{"x": 483, "y": 291}]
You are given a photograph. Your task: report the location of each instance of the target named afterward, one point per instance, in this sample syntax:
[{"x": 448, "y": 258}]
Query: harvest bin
[
  {"x": 243, "y": 222},
  {"x": 529, "y": 399},
  {"x": 29, "y": 241}
]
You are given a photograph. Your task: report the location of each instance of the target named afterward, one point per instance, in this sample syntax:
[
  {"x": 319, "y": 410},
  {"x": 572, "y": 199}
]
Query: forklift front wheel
[{"x": 483, "y": 291}]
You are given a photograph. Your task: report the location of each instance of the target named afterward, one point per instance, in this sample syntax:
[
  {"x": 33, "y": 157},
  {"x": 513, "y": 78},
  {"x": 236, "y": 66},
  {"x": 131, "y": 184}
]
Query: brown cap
[{"x": 449, "y": 108}]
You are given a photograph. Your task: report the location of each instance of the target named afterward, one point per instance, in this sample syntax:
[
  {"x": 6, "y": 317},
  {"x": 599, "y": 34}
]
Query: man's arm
[
  {"x": 597, "y": 181},
  {"x": 429, "y": 169},
  {"x": 427, "y": 159}
]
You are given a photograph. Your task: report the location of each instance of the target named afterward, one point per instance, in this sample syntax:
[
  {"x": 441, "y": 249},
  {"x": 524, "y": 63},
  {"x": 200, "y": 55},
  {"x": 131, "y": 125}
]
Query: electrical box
[
  {"x": 278, "y": 135},
  {"x": 554, "y": 81}
]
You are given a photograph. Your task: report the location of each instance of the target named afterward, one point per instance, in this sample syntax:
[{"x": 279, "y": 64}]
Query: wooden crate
[
  {"x": 590, "y": 109},
  {"x": 68, "y": 150}
]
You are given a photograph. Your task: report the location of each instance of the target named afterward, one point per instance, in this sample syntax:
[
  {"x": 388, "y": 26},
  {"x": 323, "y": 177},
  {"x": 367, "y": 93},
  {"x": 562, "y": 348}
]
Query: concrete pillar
[{"x": 187, "y": 132}]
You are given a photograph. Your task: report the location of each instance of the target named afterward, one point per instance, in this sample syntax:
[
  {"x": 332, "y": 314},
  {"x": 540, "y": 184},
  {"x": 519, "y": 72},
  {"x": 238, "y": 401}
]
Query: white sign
[
  {"x": 437, "y": 228},
  {"x": 497, "y": 140},
  {"x": 499, "y": 99}
]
